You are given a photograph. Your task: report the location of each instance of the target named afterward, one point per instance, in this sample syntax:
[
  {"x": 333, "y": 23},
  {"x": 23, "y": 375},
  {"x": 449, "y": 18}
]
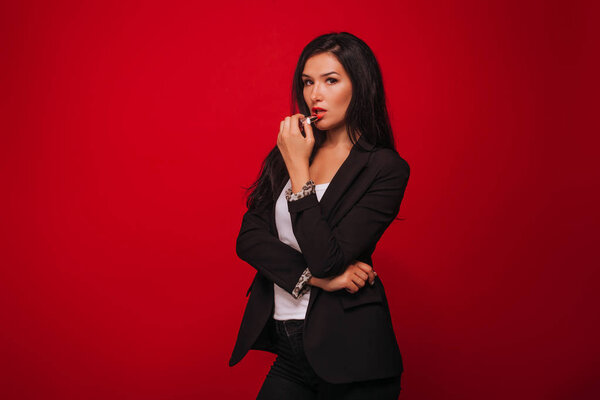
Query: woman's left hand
[
  {"x": 352, "y": 279},
  {"x": 295, "y": 148}
]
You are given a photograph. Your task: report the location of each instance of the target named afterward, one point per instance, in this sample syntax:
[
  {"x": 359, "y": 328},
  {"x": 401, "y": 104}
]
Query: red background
[{"x": 129, "y": 129}]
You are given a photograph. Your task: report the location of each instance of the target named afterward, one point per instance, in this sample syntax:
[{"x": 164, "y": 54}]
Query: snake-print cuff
[
  {"x": 308, "y": 188},
  {"x": 302, "y": 286}
]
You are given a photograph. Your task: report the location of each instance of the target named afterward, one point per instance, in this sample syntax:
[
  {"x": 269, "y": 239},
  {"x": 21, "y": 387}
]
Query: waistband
[{"x": 289, "y": 326}]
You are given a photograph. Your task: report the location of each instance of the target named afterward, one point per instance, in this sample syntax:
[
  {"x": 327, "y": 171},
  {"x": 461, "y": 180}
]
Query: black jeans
[{"x": 292, "y": 378}]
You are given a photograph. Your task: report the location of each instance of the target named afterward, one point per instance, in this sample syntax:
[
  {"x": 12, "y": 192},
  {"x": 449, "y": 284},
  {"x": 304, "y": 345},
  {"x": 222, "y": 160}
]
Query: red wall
[{"x": 129, "y": 129}]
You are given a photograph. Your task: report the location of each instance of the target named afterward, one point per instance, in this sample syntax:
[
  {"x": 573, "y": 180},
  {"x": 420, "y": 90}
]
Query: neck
[{"x": 337, "y": 137}]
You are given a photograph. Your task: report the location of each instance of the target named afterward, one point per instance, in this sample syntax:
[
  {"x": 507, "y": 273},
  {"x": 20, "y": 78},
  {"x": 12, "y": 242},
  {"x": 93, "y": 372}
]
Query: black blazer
[{"x": 347, "y": 337}]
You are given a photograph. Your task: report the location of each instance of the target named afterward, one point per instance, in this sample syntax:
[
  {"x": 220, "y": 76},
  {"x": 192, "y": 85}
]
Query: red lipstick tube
[{"x": 311, "y": 119}]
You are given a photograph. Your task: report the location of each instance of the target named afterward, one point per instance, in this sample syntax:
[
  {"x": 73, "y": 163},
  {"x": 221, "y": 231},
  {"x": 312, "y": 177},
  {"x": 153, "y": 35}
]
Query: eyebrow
[{"x": 329, "y": 73}]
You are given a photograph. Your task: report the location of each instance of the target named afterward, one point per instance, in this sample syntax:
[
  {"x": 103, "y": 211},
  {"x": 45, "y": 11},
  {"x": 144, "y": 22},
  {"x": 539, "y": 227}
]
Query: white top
[{"x": 286, "y": 306}]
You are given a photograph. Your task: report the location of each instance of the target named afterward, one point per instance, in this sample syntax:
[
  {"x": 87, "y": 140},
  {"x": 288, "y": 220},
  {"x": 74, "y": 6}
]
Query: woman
[{"x": 323, "y": 199}]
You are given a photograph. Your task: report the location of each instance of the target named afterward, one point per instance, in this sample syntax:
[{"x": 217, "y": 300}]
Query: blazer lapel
[{"x": 353, "y": 164}]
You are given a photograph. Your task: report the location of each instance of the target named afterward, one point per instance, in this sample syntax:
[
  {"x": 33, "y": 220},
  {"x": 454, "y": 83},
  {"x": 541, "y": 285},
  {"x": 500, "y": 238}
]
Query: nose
[{"x": 315, "y": 93}]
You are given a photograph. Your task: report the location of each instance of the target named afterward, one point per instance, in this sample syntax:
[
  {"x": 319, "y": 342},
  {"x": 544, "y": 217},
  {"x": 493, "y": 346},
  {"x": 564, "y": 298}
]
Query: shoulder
[{"x": 388, "y": 161}]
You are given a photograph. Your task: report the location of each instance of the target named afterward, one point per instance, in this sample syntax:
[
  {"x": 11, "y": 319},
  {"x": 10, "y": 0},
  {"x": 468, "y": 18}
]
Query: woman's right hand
[{"x": 352, "y": 279}]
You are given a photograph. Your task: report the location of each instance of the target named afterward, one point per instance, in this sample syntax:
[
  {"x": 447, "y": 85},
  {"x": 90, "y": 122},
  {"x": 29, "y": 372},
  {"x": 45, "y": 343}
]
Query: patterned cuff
[
  {"x": 302, "y": 286},
  {"x": 308, "y": 188}
]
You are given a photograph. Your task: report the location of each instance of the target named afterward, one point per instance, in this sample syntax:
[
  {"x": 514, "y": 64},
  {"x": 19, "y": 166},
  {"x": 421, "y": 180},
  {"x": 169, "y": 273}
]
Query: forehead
[{"x": 322, "y": 63}]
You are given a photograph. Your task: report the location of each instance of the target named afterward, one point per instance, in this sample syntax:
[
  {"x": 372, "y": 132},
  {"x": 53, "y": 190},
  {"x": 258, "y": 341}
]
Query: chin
[
  {"x": 322, "y": 127},
  {"x": 326, "y": 125}
]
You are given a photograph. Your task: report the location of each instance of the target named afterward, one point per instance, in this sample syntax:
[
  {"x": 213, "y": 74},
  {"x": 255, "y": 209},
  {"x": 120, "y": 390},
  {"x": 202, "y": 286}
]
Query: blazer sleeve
[
  {"x": 278, "y": 262},
  {"x": 329, "y": 250}
]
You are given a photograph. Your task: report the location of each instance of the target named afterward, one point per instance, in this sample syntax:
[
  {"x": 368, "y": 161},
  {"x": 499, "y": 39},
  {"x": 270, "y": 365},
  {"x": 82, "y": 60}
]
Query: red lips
[{"x": 320, "y": 115}]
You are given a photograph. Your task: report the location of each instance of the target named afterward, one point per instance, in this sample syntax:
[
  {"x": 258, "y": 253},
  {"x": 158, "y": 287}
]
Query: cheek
[
  {"x": 343, "y": 97},
  {"x": 307, "y": 98}
]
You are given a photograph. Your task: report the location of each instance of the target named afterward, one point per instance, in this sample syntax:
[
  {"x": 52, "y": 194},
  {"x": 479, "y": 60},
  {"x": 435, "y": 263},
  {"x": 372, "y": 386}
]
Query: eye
[{"x": 333, "y": 80}]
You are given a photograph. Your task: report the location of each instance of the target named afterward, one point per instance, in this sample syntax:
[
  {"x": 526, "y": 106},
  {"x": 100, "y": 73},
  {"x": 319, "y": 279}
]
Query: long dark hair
[{"x": 366, "y": 114}]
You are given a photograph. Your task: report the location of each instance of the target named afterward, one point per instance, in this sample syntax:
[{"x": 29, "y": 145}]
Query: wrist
[
  {"x": 314, "y": 281},
  {"x": 298, "y": 177}
]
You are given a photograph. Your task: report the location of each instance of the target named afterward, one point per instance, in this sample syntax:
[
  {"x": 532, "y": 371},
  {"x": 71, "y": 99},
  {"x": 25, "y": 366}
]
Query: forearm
[
  {"x": 318, "y": 282},
  {"x": 313, "y": 281},
  {"x": 274, "y": 259}
]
